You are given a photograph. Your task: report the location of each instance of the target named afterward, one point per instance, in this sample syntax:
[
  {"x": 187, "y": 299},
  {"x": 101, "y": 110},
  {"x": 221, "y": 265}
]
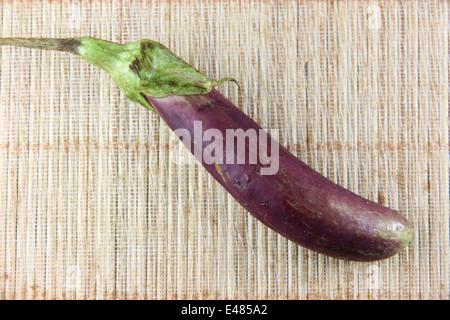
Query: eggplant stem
[{"x": 68, "y": 45}]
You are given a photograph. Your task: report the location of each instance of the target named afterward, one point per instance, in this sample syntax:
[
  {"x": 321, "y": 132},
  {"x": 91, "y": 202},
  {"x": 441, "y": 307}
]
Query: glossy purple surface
[{"x": 297, "y": 201}]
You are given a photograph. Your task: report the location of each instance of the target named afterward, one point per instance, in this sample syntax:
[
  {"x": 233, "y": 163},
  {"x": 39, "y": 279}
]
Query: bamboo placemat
[{"x": 98, "y": 200}]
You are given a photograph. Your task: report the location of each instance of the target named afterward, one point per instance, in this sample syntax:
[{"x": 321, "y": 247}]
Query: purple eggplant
[{"x": 294, "y": 200}]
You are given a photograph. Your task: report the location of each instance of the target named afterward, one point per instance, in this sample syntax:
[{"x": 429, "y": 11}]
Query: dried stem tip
[{"x": 67, "y": 45}]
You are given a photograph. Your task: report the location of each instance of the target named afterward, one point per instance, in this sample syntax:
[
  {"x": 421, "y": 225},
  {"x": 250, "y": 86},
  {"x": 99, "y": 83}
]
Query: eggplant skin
[{"x": 297, "y": 202}]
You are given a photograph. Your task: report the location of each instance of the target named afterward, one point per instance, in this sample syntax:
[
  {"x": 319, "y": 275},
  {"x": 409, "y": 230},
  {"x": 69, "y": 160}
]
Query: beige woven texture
[{"x": 98, "y": 200}]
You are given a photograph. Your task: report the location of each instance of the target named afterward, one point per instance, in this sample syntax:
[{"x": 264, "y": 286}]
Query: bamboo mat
[{"x": 98, "y": 200}]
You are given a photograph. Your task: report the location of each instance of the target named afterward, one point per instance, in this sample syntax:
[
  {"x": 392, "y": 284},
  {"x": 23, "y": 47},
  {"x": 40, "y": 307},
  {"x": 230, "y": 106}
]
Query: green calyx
[
  {"x": 145, "y": 68},
  {"x": 141, "y": 68}
]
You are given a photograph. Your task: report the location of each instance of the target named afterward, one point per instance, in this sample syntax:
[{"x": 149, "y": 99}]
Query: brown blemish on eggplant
[
  {"x": 206, "y": 105},
  {"x": 134, "y": 66},
  {"x": 266, "y": 204}
]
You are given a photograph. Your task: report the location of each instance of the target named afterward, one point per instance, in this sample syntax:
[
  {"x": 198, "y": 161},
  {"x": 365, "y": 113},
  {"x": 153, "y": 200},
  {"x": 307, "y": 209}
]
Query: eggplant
[{"x": 272, "y": 184}]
